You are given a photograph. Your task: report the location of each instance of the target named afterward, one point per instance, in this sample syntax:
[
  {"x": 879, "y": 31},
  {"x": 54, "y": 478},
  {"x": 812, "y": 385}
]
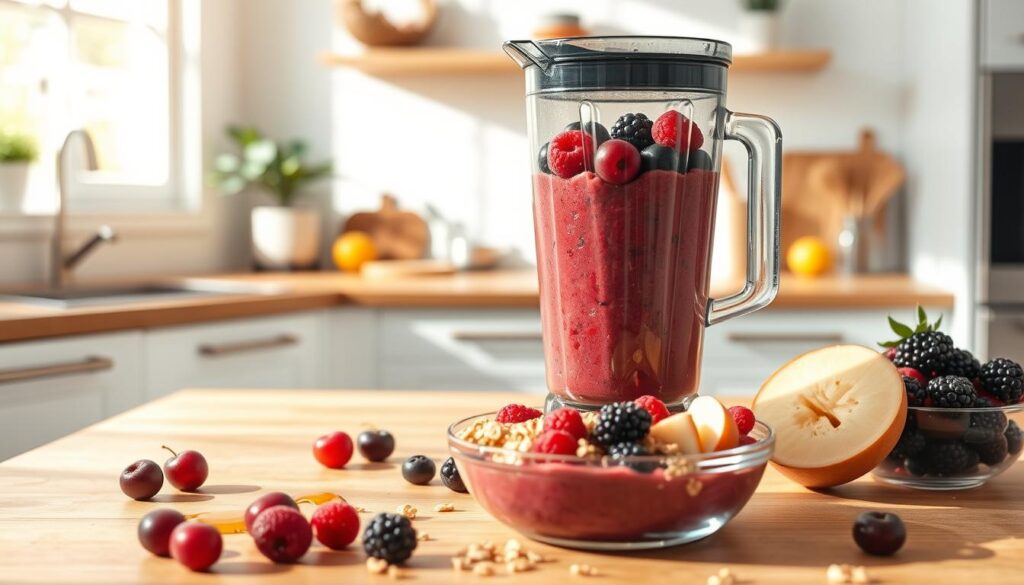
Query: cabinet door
[
  {"x": 54, "y": 387},
  {"x": 1003, "y": 35},
  {"x": 266, "y": 352}
]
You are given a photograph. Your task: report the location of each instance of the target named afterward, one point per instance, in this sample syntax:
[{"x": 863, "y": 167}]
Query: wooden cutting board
[{"x": 396, "y": 234}]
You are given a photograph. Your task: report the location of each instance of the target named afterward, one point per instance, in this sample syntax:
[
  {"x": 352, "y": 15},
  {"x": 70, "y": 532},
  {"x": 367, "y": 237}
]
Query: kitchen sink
[{"x": 91, "y": 296}]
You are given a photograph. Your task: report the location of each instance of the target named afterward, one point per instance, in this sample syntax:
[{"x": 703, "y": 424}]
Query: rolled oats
[
  {"x": 395, "y": 572},
  {"x": 408, "y": 510},
  {"x": 484, "y": 569},
  {"x": 376, "y": 566},
  {"x": 445, "y": 507},
  {"x": 581, "y": 570}
]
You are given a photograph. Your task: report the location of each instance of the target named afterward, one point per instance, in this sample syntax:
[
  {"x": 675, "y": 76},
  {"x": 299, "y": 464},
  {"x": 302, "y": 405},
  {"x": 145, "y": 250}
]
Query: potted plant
[
  {"x": 283, "y": 237},
  {"x": 759, "y": 25},
  {"x": 17, "y": 152}
]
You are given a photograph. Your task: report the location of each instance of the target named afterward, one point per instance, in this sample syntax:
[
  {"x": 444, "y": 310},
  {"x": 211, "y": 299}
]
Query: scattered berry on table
[
  {"x": 389, "y": 537},
  {"x": 699, "y": 161},
  {"x": 555, "y": 443},
  {"x": 267, "y": 501},
  {"x": 879, "y": 533},
  {"x": 621, "y": 422},
  {"x": 186, "y": 470},
  {"x": 542, "y": 159},
  {"x": 656, "y": 408},
  {"x": 155, "y": 528},
  {"x": 333, "y": 450},
  {"x": 917, "y": 395},
  {"x": 675, "y": 130},
  {"x": 951, "y": 392},
  {"x": 617, "y": 162},
  {"x": 142, "y": 480},
  {"x": 994, "y": 452},
  {"x": 949, "y": 457},
  {"x": 375, "y": 445},
  {"x": 196, "y": 545},
  {"x": 1014, "y": 438},
  {"x": 335, "y": 525},
  {"x": 744, "y": 418},
  {"x": 594, "y": 129},
  {"x": 622, "y": 450},
  {"x": 1004, "y": 379},
  {"x": 419, "y": 469},
  {"x": 634, "y": 129},
  {"x": 915, "y": 374},
  {"x": 926, "y": 352},
  {"x": 282, "y": 534},
  {"x": 516, "y": 413},
  {"x": 451, "y": 477},
  {"x": 570, "y": 153},
  {"x": 566, "y": 419},
  {"x": 962, "y": 363}
]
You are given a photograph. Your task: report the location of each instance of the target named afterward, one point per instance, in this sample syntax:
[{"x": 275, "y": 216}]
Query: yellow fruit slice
[
  {"x": 678, "y": 429},
  {"x": 715, "y": 426},
  {"x": 836, "y": 412}
]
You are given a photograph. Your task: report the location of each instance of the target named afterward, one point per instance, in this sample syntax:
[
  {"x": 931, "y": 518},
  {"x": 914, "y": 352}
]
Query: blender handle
[{"x": 763, "y": 140}]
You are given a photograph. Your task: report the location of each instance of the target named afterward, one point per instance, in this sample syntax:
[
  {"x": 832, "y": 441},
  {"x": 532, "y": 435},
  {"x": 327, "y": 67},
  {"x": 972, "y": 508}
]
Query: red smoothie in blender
[{"x": 624, "y": 282}]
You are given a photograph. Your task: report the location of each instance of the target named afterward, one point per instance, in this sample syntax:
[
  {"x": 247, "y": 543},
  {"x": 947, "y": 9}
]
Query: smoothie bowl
[{"x": 601, "y": 501}]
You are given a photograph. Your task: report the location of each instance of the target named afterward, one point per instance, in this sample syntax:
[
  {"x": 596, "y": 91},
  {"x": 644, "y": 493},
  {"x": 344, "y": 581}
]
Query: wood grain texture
[
  {"x": 63, "y": 518},
  {"x": 500, "y": 288}
]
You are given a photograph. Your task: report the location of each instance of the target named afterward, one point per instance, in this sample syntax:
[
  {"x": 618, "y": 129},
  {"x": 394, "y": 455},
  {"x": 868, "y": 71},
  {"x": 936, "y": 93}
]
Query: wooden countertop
[
  {"x": 302, "y": 291},
  {"x": 63, "y": 518}
]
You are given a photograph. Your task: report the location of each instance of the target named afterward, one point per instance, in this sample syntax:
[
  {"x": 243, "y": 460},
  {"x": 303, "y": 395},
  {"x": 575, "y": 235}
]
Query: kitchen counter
[
  {"x": 63, "y": 518},
  {"x": 303, "y": 291}
]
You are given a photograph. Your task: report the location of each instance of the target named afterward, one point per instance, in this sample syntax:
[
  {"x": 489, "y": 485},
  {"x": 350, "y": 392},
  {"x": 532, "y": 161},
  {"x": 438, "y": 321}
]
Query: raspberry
[
  {"x": 570, "y": 153},
  {"x": 747, "y": 440},
  {"x": 744, "y": 418},
  {"x": 568, "y": 420},
  {"x": 655, "y": 407},
  {"x": 912, "y": 373},
  {"x": 677, "y": 131},
  {"x": 335, "y": 525},
  {"x": 516, "y": 413},
  {"x": 555, "y": 443},
  {"x": 282, "y": 534}
]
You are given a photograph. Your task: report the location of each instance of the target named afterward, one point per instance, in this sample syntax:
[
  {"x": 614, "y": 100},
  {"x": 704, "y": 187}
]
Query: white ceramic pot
[
  {"x": 13, "y": 181},
  {"x": 285, "y": 238},
  {"x": 759, "y": 31}
]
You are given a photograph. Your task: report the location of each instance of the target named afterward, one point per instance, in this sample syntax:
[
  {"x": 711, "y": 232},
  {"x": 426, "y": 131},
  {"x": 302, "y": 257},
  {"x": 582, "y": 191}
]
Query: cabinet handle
[
  {"x": 740, "y": 337},
  {"x": 222, "y": 349},
  {"x": 88, "y": 365},
  {"x": 496, "y": 335}
]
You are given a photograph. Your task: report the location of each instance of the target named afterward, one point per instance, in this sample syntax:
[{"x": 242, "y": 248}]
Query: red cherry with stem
[
  {"x": 617, "y": 161},
  {"x": 335, "y": 525},
  {"x": 196, "y": 545},
  {"x": 267, "y": 501},
  {"x": 333, "y": 450},
  {"x": 142, "y": 480},
  {"x": 186, "y": 470},
  {"x": 155, "y": 530}
]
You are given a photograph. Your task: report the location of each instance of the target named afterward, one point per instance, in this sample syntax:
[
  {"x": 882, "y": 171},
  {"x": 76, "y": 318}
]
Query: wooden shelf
[{"x": 454, "y": 61}]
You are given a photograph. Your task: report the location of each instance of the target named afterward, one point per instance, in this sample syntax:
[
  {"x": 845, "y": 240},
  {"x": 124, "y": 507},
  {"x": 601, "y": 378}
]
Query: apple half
[
  {"x": 837, "y": 412},
  {"x": 680, "y": 430}
]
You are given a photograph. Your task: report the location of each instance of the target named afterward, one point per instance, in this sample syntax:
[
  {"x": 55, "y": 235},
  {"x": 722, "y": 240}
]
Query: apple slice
[
  {"x": 680, "y": 430},
  {"x": 836, "y": 412},
  {"x": 715, "y": 426}
]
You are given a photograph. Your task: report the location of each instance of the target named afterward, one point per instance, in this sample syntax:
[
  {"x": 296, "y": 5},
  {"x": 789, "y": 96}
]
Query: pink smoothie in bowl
[
  {"x": 624, "y": 283},
  {"x": 611, "y": 504}
]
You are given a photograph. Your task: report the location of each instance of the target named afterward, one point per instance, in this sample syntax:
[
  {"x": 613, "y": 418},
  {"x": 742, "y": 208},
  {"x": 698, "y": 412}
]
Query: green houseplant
[
  {"x": 283, "y": 237},
  {"x": 17, "y": 153}
]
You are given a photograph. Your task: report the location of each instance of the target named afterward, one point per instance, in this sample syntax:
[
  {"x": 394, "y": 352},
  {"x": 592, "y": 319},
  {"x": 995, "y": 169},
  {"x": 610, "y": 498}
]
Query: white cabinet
[
  {"x": 53, "y": 387},
  {"x": 266, "y": 352},
  {"x": 1002, "y": 33}
]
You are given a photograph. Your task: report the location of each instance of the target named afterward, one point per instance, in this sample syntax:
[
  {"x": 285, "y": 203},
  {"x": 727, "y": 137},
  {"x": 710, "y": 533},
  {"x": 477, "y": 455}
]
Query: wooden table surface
[{"x": 63, "y": 518}]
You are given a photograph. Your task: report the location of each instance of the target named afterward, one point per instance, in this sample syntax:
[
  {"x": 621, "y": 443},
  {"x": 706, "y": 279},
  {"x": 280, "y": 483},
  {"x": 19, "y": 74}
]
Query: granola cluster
[{"x": 484, "y": 559}]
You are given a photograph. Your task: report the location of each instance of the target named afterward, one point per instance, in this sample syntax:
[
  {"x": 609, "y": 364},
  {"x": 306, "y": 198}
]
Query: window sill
[{"x": 25, "y": 226}]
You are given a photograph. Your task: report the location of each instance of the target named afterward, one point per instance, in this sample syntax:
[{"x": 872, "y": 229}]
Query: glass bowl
[
  {"x": 952, "y": 448},
  {"x": 599, "y": 503}
]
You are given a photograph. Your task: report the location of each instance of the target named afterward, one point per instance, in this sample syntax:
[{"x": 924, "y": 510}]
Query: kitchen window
[{"x": 113, "y": 68}]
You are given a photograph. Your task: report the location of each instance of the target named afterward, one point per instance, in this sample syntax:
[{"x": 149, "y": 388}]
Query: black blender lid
[{"x": 550, "y": 52}]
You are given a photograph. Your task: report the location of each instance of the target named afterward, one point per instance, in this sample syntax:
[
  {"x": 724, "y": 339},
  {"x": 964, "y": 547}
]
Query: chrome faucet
[{"x": 62, "y": 263}]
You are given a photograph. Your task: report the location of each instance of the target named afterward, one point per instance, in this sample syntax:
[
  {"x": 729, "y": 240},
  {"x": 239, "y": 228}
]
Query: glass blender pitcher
[{"x": 627, "y": 134}]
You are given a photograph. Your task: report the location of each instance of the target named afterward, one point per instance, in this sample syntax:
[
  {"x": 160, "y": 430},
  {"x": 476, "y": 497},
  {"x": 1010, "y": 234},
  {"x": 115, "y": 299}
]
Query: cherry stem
[{"x": 169, "y": 449}]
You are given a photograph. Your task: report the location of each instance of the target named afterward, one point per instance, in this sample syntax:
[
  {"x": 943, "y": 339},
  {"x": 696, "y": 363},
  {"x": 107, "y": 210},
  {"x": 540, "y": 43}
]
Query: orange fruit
[
  {"x": 809, "y": 256},
  {"x": 353, "y": 249}
]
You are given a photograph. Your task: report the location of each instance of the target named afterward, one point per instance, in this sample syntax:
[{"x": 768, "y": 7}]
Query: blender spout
[{"x": 527, "y": 53}]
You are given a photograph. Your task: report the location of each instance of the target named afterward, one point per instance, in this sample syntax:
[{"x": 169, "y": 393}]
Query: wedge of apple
[
  {"x": 836, "y": 412},
  {"x": 680, "y": 430},
  {"x": 715, "y": 426}
]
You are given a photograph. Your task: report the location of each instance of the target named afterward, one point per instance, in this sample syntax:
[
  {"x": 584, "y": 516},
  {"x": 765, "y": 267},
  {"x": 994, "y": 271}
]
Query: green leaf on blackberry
[
  {"x": 900, "y": 329},
  {"x": 905, "y": 331}
]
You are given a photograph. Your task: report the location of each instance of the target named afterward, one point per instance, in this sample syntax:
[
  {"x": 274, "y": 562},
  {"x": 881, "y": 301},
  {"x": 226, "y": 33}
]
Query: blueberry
[
  {"x": 542, "y": 159},
  {"x": 658, "y": 157},
  {"x": 418, "y": 469},
  {"x": 376, "y": 445},
  {"x": 599, "y": 130},
  {"x": 451, "y": 478},
  {"x": 699, "y": 160}
]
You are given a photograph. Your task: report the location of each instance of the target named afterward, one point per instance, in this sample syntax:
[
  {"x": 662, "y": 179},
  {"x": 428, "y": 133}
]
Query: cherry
[
  {"x": 186, "y": 470},
  {"x": 333, "y": 450},
  {"x": 617, "y": 161},
  {"x": 335, "y": 525},
  {"x": 376, "y": 445},
  {"x": 155, "y": 530},
  {"x": 879, "y": 533},
  {"x": 282, "y": 534},
  {"x": 196, "y": 545},
  {"x": 267, "y": 501},
  {"x": 142, "y": 480},
  {"x": 418, "y": 469}
]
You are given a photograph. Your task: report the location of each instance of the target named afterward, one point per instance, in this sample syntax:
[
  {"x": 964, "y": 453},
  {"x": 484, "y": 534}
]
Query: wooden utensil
[
  {"x": 384, "y": 269},
  {"x": 396, "y": 234}
]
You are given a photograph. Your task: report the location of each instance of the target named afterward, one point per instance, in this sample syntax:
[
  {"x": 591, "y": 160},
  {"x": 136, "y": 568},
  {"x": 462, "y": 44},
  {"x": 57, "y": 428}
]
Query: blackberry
[
  {"x": 451, "y": 478},
  {"x": 961, "y": 363},
  {"x": 1014, "y": 438},
  {"x": 951, "y": 392},
  {"x": 390, "y": 537},
  {"x": 917, "y": 466},
  {"x": 911, "y": 443},
  {"x": 621, "y": 422},
  {"x": 985, "y": 426},
  {"x": 1003, "y": 378},
  {"x": 634, "y": 129},
  {"x": 926, "y": 352},
  {"x": 993, "y": 453},
  {"x": 949, "y": 457},
  {"x": 621, "y": 450},
  {"x": 916, "y": 394}
]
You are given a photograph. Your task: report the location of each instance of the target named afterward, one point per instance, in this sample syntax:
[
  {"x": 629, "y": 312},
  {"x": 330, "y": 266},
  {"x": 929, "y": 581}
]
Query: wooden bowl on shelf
[{"x": 372, "y": 28}]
